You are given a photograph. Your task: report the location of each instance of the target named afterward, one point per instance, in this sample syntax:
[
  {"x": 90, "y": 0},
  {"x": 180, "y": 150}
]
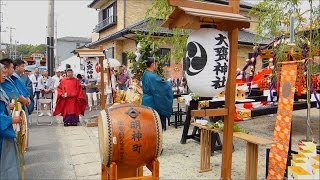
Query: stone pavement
[
  {"x": 58, "y": 152},
  {"x": 84, "y": 151},
  {"x": 48, "y": 154}
]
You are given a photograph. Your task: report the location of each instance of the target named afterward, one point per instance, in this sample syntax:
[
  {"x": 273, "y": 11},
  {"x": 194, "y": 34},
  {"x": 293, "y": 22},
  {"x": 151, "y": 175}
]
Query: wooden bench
[{"x": 252, "y": 150}]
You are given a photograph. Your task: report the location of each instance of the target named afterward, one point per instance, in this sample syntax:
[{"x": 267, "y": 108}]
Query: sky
[{"x": 30, "y": 17}]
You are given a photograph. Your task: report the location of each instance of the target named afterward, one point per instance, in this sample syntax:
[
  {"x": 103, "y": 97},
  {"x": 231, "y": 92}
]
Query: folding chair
[{"x": 47, "y": 107}]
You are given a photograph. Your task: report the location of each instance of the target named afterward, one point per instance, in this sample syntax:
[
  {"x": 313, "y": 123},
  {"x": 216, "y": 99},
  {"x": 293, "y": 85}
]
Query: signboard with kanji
[{"x": 91, "y": 68}]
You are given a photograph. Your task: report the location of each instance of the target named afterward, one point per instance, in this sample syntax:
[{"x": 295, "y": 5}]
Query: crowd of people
[
  {"x": 18, "y": 86},
  {"x": 68, "y": 96}
]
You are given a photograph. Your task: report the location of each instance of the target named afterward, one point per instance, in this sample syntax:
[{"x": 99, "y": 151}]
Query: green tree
[
  {"x": 28, "y": 49},
  {"x": 148, "y": 48}
]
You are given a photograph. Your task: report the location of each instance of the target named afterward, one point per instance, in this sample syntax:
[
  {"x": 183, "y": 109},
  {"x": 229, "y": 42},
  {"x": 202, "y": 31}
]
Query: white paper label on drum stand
[{"x": 114, "y": 140}]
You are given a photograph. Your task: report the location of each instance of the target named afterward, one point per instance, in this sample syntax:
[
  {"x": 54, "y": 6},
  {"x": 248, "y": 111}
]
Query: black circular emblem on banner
[{"x": 196, "y": 58}]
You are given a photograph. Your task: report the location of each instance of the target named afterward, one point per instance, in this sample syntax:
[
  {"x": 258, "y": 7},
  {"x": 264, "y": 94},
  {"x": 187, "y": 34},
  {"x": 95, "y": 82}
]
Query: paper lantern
[{"x": 207, "y": 61}]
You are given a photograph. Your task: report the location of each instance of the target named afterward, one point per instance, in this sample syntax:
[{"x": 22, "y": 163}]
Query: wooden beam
[
  {"x": 217, "y": 112},
  {"x": 229, "y": 24},
  {"x": 201, "y": 5},
  {"x": 209, "y": 112},
  {"x": 198, "y": 113},
  {"x": 140, "y": 178},
  {"x": 184, "y": 20},
  {"x": 252, "y": 139},
  {"x": 227, "y": 148}
]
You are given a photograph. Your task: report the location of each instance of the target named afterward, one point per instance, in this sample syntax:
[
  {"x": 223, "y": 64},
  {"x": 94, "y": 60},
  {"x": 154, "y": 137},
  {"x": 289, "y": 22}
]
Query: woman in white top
[{"x": 110, "y": 87}]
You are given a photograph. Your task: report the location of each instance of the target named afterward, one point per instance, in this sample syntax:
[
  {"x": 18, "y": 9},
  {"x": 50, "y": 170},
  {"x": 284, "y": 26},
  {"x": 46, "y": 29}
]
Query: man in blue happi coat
[
  {"x": 157, "y": 92},
  {"x": 9, "y": 155},
  {"x": 19, "y": 68},
  {"x": 13, "y": 86}
]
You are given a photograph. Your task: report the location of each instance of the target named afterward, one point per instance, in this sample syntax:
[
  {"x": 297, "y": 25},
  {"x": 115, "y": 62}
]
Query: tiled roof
[
  {"x": 75, "y": 39},
  {"x": 93, "y": 3},
  {"x": 245, "y": 37},
  {"x": 243, "y": 4}
]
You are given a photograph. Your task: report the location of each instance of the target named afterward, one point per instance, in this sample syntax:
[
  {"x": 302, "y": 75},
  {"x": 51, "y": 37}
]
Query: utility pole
[
  {"x": 15, "y": 49},
  {"x": 50, "y": 38},
  {"x": 11, "y": 46},
  {"x": 56, "y": 44},
  {"x": 1, "y": 23}
]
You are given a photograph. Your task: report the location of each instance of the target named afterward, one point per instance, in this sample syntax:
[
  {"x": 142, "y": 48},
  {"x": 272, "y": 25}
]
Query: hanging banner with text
[{"x": 91, "y": 68}]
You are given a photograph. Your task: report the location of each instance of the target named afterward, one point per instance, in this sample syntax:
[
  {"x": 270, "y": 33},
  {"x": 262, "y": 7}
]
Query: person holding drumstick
[{"x": 9, "y": 155}]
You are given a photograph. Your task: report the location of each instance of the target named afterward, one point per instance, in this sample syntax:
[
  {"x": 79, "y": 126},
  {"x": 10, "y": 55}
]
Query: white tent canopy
[{"x": 74, "y": 62}]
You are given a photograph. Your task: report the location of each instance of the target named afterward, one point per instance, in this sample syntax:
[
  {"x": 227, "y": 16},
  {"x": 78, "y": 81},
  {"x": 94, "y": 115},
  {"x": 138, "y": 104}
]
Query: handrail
[{"x": 106, "y": 22}]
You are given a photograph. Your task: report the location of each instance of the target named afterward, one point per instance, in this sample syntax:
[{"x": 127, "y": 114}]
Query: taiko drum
[{"x": 130, "y": 135}]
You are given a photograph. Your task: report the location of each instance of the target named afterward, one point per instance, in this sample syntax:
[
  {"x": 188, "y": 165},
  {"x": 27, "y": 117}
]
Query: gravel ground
[{"x": 182, "y": 161}]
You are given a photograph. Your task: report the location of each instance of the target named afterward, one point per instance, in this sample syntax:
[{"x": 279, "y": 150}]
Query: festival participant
[
  {"x": 91, "y": 92},
  {"x": 110, "y": 87},
  {"x": 19, "y": 67},
  {"x": 35, "y": 78},
  {"x": 46, "y": 87},
  {"x": 71, "y": 101},
  {"x": 157, "y": 92},
  {"x": 57, "y": 78},
  {"x": 13, "y": 84},
  {"x": 9, "y": 155},
  {"x": 123, "y": 79}
]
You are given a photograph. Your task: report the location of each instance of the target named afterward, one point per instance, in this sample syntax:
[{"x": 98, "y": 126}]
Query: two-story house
[
  {"x": 66, "y": 45},
  {"x": 119, "y": 20}
]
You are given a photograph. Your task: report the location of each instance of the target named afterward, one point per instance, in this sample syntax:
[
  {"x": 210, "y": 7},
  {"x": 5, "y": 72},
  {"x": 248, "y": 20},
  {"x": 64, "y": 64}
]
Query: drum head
[
  {"x": 105, "y": 136},
  {"x": 24, "y": 130}
]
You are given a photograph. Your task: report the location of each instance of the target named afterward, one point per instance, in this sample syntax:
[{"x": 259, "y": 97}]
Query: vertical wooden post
[
  {"x": 155, "y": 169},
  {"x": 230, "y": 105},
  {"x": 205, "y": 150},
  {"x": 252, "y": 160},
  {"x": 230, "y": 98},
  {"x": 102, "y": 86},
  {"x": 140, "y": 171},
  {"x": 104, "y": 172},
  {"x": 113, "y": 171}
]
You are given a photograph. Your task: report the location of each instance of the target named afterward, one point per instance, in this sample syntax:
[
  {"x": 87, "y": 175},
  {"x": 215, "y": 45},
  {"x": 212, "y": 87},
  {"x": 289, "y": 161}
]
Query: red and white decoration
[{"x": 250, "y": 105}]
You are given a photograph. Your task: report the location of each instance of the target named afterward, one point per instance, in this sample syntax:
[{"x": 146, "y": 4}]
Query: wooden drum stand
[{"x": 113, "y": 172}]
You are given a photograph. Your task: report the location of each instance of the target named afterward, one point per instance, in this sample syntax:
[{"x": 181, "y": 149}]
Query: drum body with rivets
[{"x": 129, "y": 135}]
